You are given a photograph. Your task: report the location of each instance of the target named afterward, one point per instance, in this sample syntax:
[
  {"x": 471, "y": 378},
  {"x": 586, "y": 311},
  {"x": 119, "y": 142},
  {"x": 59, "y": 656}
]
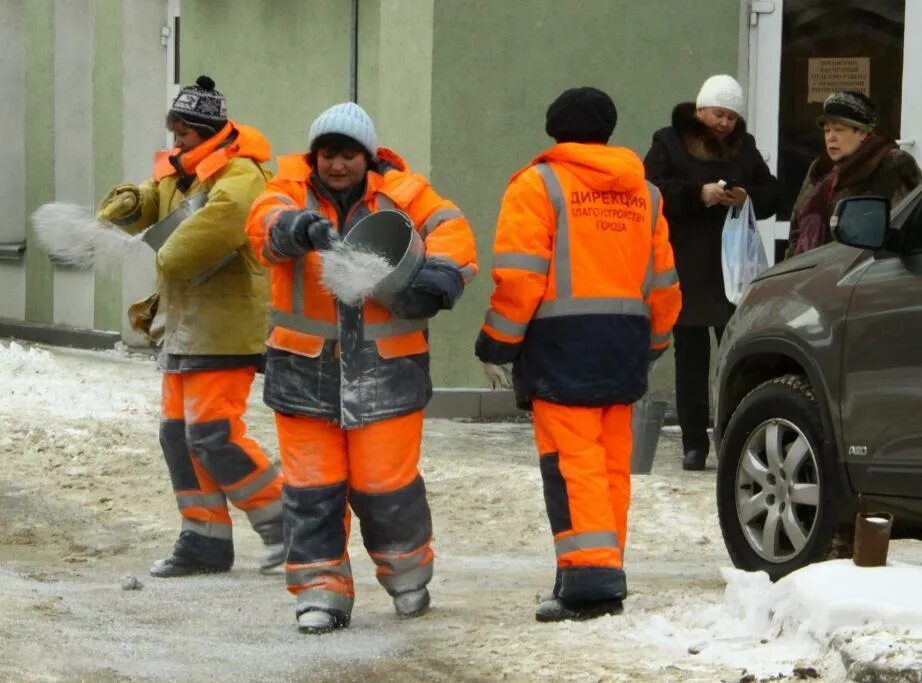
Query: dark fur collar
[
  {"x": 700, "y": 141},
  {"x": 859, "y": 165}
]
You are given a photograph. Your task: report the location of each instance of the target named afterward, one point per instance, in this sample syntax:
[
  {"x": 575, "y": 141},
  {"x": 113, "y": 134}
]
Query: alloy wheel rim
[{"x": 777, "y": 490}]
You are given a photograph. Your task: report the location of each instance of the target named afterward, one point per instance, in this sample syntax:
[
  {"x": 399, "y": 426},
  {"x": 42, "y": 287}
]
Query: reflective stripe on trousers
[
  {"x": 376, "y": 468},
  {"x": 209, "y": 458},
  {"x": 585, "y": 466}
]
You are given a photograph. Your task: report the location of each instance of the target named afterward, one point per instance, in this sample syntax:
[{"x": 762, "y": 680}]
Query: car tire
[{"x": 774, "y": 481}]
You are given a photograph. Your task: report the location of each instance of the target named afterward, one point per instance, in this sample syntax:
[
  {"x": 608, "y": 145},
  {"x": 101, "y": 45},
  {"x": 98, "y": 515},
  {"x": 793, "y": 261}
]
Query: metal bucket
[
  {"x": 159, "y": 232},
  {"x": 646, "y": 423},
  {"x": 390, "y": 234}
]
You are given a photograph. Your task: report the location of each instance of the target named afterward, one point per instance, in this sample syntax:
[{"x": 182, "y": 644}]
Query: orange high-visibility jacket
[
  {"x": 347, "y": 364},
  {"x": 586, "y": 288}
]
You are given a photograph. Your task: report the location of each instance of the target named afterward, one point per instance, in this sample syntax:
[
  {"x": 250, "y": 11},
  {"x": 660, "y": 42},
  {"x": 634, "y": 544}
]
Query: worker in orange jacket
[
  {"x": 208, "y": 320},
  {"x": 349, "y": 382},
  {"x": 585, "y": 299}
]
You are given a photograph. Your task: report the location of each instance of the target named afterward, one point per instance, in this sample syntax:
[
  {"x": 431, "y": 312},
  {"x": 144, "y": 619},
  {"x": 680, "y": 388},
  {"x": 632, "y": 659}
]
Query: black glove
[
  {"x": 413, "y": 304},
  {"x": 299, "y": 231},
  {"x": 437, "y": 285}
]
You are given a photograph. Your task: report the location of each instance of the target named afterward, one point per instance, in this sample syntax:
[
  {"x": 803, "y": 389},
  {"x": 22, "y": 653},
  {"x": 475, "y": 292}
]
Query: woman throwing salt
[{"x": 349, "y": 382}]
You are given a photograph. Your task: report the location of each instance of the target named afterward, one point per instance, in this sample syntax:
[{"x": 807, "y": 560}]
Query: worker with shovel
[
  {"x": 349, "y": 382},
  {"x": 208, "y": 319},
  {"x": 586, "y": 296}
]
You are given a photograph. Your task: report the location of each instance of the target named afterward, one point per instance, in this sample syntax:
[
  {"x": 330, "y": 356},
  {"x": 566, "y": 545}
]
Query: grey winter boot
[
  {"x": 412, "y": 603},
  {"x": 317, "y": 621},
  {"x": 272, "y": 534},
  {"x": 272, "y": 560}
]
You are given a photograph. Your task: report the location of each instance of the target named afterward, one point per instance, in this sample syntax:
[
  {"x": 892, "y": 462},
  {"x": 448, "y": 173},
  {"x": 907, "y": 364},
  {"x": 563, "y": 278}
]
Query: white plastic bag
[{"x": 741, "y": 255}]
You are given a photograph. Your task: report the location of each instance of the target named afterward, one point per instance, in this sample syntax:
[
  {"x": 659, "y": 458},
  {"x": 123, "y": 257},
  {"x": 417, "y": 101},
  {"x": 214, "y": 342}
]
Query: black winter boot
[
  {"x": 195, "y": 554},
  {"x": 556, "y": 609},
  {"x": 694, "y": 459}
]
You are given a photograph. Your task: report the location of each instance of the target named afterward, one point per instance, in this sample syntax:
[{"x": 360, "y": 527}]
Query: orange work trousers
[
  {"x": 210, "y": 458},
  {"x": 585, "y": 457},
  {"x": 373, "y": 469}
]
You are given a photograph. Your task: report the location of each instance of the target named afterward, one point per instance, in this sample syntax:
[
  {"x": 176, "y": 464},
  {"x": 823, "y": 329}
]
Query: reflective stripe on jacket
[
  {"x": 348, "y": 364},
  {"x": 586, "y": 288}
]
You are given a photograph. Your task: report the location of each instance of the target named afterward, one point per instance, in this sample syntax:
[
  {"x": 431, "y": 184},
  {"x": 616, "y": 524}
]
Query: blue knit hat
[{"x": 347, "y": 119}]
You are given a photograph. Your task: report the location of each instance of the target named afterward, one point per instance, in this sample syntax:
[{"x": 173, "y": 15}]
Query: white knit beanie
[
  {"x": 347, "y": 119},
  {"x": 721, "y": 91}
]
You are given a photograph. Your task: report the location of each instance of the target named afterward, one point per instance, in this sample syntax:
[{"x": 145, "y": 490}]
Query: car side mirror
[{"x": 861, "y": 222}]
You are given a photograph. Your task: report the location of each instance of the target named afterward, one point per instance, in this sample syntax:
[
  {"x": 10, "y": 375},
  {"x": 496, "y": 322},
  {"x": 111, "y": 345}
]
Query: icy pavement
[{"x": 85, "y": 501}]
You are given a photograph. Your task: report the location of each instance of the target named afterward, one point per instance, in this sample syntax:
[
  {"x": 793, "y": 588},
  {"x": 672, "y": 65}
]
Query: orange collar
[
  {"x": 213, "y": 154},
  {"x": 194, "y": 157}
]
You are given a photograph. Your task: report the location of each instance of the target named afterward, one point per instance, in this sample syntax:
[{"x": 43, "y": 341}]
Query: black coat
[{"x": 683, "y": 158}]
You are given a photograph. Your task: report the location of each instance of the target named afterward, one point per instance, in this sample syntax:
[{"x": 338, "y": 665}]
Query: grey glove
[{"x": 321, "y": 234}]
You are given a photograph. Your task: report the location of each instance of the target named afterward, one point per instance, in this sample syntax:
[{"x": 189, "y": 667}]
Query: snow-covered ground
[{"x": 85, "y": 500}]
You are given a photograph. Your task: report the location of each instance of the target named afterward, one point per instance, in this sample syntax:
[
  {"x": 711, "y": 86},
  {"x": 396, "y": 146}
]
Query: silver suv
[{"x": 818, "y": 412}]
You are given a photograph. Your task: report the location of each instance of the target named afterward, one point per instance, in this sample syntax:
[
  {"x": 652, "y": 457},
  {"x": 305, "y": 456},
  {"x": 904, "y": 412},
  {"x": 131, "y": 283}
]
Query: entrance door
[{"x": 800, "y": 52}]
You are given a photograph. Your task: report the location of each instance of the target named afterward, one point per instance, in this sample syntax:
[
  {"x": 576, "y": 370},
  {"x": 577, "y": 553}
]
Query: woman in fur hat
[
  {"x": 706, "y": 143},
  {"x": 856, "y": 161}
]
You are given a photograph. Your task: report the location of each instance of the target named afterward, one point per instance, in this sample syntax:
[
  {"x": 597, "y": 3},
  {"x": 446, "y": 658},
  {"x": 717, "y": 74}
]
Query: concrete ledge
[
  {"x": 58, "y": 335},
  {"x": 471, "y": 403},
  {"x": 474, "y": 404}
]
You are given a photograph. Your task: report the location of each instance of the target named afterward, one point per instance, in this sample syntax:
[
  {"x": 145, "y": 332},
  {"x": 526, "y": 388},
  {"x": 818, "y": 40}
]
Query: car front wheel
[{"x": 773, "y": 486}]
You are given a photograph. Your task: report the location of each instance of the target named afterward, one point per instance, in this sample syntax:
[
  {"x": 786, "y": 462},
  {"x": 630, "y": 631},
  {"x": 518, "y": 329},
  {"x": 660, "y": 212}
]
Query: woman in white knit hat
[
  {"x": 349, "y": 381},
  {"x": 706, "y": 143}
]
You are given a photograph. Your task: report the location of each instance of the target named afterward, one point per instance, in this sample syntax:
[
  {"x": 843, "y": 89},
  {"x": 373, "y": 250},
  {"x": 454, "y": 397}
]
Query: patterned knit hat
[
  {"x": 849, "y": 107},
  {"x": 201, "y": 107},
  {"x": 347, "y": 119}
]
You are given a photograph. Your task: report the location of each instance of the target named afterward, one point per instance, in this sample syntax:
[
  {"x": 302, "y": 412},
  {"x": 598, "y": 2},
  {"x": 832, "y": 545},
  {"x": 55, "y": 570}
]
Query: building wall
[
  {"x": 74, "y": 57},
  {"x": 92, "y": 69},
  {"x": 457, "y": 87},
  {"x": 39, "y": 118},
  {"x": 107, "y": 77},
  {"x": 278, "y": 62},
  {"x": 496, "y": 68},
  {"x": 136, "y": 126},
  {"x": 13, "y": 158}
]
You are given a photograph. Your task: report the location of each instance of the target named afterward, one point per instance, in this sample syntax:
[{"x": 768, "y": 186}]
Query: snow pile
[
  {"x": 807, "y": 617},
  {"x": 351, "y": 274},
  {"x": 72, "y": 235},
  {"x": 35, "y": 382},
  {"x": 15, "y": 361}
]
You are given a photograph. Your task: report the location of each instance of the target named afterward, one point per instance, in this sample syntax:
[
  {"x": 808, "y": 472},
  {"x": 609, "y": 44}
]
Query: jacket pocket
[
  {"x": 409, "y": 344},
  {"x": 296, "y": 342}
]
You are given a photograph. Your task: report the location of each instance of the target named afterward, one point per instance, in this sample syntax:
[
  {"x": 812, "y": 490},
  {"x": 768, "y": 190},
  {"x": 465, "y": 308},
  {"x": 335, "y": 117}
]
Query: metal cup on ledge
[{"x": 872, "y": 538}]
